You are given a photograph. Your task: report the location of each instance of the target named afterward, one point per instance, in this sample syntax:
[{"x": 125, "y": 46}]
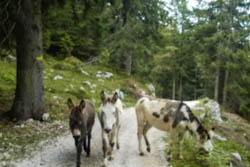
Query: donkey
[
  {"x": 174, "y": 117},
  {"x": 109, "y": 116},
  {"x": 81, "y": 121}
]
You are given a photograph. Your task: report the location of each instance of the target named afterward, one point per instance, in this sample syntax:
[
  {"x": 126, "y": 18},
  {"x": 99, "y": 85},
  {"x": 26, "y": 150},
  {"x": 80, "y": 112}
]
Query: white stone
[
  {"x": 218, "y": 137},
  {"x": 211, "y": 106},
  {"x": 237, "y": 156},
  {"x": 56, "y": 97},
  {"x": 6, "y": 155},
  {"x": 84, "y": 72},
  {"x": 58, "y": 77},
  {"x": 92, "y": 86},
  {"x": 215, "y": 108},
  {"x": 104, "y": 75},
  {"x": 29, "y": 121},
  {"x": 11, "y": 58},
  {"x": 45, "y": 116},
  {"x": 151, "y": 87}
]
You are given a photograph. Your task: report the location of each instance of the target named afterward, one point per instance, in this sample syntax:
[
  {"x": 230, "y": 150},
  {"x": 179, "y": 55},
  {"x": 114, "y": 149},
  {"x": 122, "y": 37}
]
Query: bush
[{"x": 61, "y": 44}]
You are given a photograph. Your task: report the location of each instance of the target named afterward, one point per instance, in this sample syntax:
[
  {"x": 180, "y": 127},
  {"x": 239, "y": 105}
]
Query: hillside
[{"x": 69, "y": 78}]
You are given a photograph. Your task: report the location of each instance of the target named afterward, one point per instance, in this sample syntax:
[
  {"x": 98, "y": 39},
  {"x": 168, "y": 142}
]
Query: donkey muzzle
[{"x": 107, "y": 130}]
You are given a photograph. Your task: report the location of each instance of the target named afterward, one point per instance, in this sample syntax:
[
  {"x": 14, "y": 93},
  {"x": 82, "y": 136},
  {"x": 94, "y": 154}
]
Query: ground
[{"x": 62, "y": 152}]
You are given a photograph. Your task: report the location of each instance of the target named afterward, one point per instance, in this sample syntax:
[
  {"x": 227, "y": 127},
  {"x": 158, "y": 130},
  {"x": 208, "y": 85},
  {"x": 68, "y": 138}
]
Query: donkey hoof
[
  {"x": 148, "y": 149},
  {"x": 169, "y": 158},
  {"x": 111, "y": 158},
  {"x": 141, "y": 153},
  {"x": 118, "y": 146}
]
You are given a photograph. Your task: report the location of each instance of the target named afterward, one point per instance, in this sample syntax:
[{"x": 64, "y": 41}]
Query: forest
[{"x": 188, "y": 49}]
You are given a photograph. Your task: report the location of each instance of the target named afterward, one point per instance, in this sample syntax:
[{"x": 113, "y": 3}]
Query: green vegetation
[
  {"x": 219, "y": 157},
  {"x": 236, "y": 131}
]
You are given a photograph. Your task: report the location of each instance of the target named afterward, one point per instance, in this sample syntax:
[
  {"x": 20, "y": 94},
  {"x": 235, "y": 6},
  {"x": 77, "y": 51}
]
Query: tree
[{"x": 29, "y": 95}]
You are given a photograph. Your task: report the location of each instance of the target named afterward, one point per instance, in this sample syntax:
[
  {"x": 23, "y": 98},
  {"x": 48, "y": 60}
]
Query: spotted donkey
[
  {"x": 174, "y": 117},
  {"x": 109, "y": 116},
  {"x": 81, "y": 121}
]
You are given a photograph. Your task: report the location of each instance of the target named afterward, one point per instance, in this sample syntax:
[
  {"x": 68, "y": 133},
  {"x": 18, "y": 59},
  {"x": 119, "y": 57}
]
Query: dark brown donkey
[{"x": 81, "y": 121}]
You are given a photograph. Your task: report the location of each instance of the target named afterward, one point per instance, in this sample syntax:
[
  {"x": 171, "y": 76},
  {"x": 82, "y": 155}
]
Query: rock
[
  {"x": 105, "y": 75},
  {"x": 45, "y": 117},
  {"x": 151, "y": 87},
  {"x": 84, "y": 72},
  {"x": 55, "y": 97},
  {"x": 71, "y": 86},
  {"x": 206, "y": 106},
  {"x": 82, "y": 88},
  {"x": 28, "y": 121},
  {"x": 108, "y": 75},
  {"x": 58, "y": 77},
  {"x": 92, "y": 86},
  {"x": 236, "y": 156},
  {"x": 215, "y": 110},
  {"x": 11, "y": 58},
  {"x": 218, "y": 137},
  {"x": 6, "y": 155}
]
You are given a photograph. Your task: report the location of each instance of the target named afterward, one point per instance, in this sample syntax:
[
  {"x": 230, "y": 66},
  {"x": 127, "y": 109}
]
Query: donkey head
[
  {"x": 108, "y": 112},
  {"x": 76, "y": 121},
  {"x": 205, "y": 138}
]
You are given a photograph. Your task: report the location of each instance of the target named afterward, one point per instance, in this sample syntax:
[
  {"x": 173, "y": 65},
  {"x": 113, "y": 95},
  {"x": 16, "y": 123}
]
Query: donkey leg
[
  {"x": 85, "y": 143},
  {"x": 117, "y": 137},
  {"x": 139, "y": 135},
  {"x": 145, "y": 130},
  {"x": 140, "y": 125},
  {"x": 105, "y": 149},
  {"x": 170, "y": 143},
  {"x": 181, "y": 140},
  {"x": 112, "y": 143},
  {"x": 78, "y": 154},
  {"x": 89, "y": 144}
]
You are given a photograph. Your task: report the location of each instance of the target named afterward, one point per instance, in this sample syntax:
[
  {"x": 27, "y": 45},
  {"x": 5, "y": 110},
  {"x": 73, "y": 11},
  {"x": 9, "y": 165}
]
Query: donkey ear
[
  {"x": 70, "y": 103},
  {"x": 211, "y": 133},
  {"x": 103, "y": 97},
  {"x": 82, "y": 104},
  {"x": 115, "y": 97}
]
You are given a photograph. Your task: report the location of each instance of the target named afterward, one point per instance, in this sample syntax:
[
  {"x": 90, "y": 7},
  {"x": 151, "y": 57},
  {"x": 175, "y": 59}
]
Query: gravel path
[{"x": 62, "y": 152}]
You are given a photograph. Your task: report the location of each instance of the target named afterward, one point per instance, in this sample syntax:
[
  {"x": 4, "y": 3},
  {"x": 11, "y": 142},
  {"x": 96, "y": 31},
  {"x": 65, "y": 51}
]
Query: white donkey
[
  {"x": 109, "y": 116},
  {"x": 174, "y": 117}
]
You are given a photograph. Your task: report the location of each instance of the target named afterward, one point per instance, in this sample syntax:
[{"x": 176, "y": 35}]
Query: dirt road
[{"x": 62, "y": 153}]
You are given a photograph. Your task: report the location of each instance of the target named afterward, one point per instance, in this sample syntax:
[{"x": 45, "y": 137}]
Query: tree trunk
[
  {"x": 128, "y": 64},
  {"x": 225, "y": 88},
  {"x": 173, "y": 89},
  {"x": 216, "y": 86},
  {"x": 29, "y": 98},
  {"x": 180, "y": 88}
]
